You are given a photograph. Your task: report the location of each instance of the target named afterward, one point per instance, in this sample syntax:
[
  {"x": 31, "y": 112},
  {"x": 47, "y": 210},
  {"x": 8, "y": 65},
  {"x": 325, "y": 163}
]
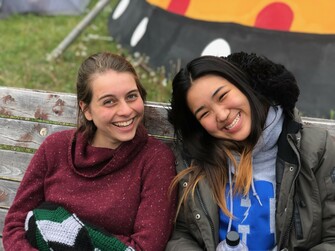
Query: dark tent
[{"x": 42, "y": 7}]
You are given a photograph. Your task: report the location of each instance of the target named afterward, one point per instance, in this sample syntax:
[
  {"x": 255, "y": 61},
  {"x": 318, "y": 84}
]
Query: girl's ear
[{"x": 85, "y": 110}]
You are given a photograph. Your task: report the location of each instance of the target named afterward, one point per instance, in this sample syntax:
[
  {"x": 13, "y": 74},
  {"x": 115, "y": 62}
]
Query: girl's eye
[
  {"x": 202, "y": 115},
  {"x": 222, "y": 96},
  {"x": 132, "y": 96},
  {"x": 108, "y": 102}
]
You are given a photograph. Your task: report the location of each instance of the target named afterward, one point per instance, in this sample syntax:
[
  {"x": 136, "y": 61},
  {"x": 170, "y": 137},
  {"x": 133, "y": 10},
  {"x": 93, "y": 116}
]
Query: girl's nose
[
  {"x": 124, "y": 109},
  {"x": 221, "y": 114}
]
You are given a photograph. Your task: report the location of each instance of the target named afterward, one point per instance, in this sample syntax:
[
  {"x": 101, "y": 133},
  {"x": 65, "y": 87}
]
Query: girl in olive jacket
[{"x": 247, "y": 162}]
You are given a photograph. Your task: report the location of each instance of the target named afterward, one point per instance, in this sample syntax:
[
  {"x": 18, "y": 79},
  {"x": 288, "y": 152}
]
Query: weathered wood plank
[
  {"x": 3, "y": 213},
  {"x": 13, "y": 164},
  {"x": 30, "y": 134},
  {"x": 1, "y": 246},
  {"x": 8, "y": 191},
  {"x": 61, "y": 108},
  {"x": 36, "y": 104},
  {"x": 23, "y": 133},
  {"x": 327, "y": 124},
  {"x": 155, "y": 120}
]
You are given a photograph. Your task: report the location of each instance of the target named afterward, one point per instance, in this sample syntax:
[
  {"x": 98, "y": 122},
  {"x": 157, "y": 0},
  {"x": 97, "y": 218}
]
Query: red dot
[
  {"x": 178, "y": 6},
  {"x": 275, "y": 16}
]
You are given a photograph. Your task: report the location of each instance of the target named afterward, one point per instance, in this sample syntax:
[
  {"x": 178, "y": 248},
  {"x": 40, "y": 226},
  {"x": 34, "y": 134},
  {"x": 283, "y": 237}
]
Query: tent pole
[{"x": 101, "y": 4}]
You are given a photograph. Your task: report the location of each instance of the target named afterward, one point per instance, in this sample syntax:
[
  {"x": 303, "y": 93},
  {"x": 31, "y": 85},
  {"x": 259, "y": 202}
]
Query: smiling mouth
[
  {"x": 124, "y": 123},
  {"x": 237, "y": 118}
]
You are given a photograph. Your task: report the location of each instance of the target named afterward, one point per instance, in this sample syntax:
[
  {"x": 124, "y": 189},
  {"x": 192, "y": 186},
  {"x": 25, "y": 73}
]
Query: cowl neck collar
[{"x": 90, "y": 162}]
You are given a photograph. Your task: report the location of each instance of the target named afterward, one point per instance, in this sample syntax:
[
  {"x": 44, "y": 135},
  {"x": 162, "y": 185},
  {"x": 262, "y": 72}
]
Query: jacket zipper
[
  {"x": 285, "y": 239},
  {"x": 206, "y": 213},
  {"x": 296, "y": 150}
]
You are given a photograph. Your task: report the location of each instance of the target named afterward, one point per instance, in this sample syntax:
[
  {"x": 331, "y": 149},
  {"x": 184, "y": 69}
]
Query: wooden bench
[{"x": 28, "y": 116}]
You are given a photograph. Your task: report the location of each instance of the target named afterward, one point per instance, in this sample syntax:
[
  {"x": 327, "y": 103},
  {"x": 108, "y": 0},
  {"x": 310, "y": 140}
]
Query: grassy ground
[{"x": 27, "y": 40}]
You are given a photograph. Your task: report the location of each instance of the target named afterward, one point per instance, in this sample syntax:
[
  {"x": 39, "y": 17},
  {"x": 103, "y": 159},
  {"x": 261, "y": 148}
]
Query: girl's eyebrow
[
  {"x": 217, "y": 90},
  {"x": 112, "y": 95},
  {"x": 213, "y": 95},
  {"x": 106, "y": 96},
  {"x": 135, "y": 90},
  {"x": 198, "y": 110}
]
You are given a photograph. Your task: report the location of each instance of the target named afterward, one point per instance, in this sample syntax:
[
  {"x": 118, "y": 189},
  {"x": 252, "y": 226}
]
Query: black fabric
[
  {"x": 285, "y": 152},
  {"x": 31, "y": 233},
  {"x": 268, "y": 78}
]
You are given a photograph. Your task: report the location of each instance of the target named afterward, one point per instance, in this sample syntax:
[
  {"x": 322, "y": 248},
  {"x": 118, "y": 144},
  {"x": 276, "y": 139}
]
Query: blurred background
[{"x": 43, "y": 42}]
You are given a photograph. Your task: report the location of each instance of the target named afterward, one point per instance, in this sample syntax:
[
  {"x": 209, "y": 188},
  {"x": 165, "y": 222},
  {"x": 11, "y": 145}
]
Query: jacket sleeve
[
  {"x": 181, "y": 239},
  {"x": 326, "y": 178},
  {"x": 29, "y": 195}
]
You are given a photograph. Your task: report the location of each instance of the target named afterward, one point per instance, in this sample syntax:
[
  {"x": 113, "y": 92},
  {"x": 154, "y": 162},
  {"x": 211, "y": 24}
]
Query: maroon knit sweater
[{"x": 123, "y": 191}]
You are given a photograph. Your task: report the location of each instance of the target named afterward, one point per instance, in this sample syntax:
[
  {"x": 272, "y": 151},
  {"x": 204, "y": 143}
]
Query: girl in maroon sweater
[{"x": 108, "y": 171}]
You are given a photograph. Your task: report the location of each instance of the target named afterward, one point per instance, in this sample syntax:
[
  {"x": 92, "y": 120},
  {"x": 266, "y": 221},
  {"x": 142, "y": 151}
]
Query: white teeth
[
  {"x": 234, "y": 122},
  {"x": 123, "y": 124}
]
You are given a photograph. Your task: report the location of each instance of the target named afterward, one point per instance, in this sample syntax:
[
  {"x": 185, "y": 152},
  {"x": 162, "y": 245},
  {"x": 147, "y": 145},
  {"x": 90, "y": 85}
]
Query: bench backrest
[{"x": 28, "y": 116}]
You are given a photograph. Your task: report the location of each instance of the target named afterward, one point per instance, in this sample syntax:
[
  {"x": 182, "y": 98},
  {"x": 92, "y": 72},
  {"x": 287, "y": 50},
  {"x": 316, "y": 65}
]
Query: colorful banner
[{"x": 297, "y": 33}]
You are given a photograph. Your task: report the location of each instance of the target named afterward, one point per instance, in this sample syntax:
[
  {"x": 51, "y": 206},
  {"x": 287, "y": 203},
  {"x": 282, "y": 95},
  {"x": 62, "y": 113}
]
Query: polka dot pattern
[
  {"x": 275, "y": 16},
  {"x": 178, "y": 6}
]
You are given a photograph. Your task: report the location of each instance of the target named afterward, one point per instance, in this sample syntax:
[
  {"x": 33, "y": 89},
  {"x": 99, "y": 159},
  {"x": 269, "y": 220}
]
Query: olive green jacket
[{"x": 305, "y": 197}]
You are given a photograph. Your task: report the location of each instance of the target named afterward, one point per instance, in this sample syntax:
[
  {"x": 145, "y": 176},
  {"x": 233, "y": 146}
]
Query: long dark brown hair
[{"x": 209, "y": 156}]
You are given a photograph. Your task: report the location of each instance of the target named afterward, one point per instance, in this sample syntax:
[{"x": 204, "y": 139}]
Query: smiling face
[
  {"x": 116, "y": 108},
  {"x": 220, "y": 107}
]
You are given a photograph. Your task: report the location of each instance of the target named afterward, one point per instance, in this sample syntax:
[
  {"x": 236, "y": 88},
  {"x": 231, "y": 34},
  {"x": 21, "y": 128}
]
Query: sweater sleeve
[
  {"x": 29, "y": 195},
  {"x": 156, "y": 212}
]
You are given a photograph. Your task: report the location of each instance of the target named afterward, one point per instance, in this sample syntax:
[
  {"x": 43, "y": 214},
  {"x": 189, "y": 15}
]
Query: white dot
[
  {"x": 120, "y": 8},
  {"x": 139, "y": 32},
  {"x": 218, "y": 47}
]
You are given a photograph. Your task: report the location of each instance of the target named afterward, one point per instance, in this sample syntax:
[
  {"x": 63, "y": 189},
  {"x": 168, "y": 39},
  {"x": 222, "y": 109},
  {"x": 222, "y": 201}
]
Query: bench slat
[
  {"x": 8, "y": 191},
  {"x": 3, "y": 213},
  {"x": 60, "y": 107},
  {"x": 327, "y": 124},
  {"x": 29, "y": 134},
  {"x": 13, "y": 164},
  {"x": 155, "y": 120}
]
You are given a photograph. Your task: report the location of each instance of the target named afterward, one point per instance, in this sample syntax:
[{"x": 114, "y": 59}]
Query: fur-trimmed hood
[{"x": 273, "y": 81}]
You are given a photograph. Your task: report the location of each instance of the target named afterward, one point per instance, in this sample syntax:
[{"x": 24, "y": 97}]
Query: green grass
[{"x": 27, "y": 40}]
